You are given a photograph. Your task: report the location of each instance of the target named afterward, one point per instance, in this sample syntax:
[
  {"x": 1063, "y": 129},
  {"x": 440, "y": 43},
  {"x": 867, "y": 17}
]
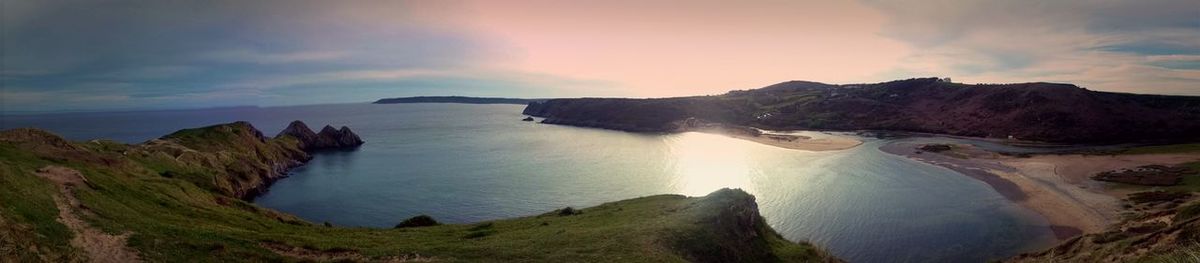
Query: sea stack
[
  {"x": 339, "y": 138},
  {"x": 328, "y": 138}
]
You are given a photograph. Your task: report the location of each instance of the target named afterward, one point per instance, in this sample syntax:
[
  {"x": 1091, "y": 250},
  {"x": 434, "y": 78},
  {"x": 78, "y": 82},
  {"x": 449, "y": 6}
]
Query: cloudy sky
[{"x": 102, "y": 55}]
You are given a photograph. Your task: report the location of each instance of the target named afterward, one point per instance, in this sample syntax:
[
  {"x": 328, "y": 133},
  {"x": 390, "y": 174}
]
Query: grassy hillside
[{"x": 178, "y": 199}]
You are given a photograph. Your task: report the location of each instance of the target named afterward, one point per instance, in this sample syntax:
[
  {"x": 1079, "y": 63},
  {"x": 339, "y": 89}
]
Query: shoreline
[
  {"x": 789, "y": 141},
  {"x": 1057, "y": 187},
  {"x": 1066, "y": 217}
]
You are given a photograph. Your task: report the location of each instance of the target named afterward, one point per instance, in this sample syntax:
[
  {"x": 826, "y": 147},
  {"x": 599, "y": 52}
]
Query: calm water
[{"x": 468, "y": 163}]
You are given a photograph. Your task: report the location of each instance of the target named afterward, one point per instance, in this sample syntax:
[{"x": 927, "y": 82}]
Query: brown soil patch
[{"x": 99, "y": 246}]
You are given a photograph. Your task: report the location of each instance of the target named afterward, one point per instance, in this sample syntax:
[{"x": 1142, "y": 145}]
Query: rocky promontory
[
  {"x": 248, "y": 160},
  {"x": 328, "y": 138}
]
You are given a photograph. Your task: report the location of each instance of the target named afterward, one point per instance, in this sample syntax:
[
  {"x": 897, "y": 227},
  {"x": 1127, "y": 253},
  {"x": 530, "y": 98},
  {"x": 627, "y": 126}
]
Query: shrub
[
  {"x": 935, "y": 147},
  {"x": 569, "y": 211},
  {"x": 418, "y": 221}
]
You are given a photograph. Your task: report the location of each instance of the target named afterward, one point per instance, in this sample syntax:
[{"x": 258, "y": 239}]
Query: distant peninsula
[{"x": 457, "y": 99}]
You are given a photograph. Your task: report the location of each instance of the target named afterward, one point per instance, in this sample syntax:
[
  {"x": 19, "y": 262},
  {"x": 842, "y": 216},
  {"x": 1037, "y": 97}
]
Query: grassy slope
[
  {"x": 1170, "y": 148},
  {"x": 182, "y": 219}
]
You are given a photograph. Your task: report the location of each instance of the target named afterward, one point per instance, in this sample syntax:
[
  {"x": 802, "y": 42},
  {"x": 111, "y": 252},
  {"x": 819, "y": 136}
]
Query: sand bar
[{"x": 790, "y": 141}]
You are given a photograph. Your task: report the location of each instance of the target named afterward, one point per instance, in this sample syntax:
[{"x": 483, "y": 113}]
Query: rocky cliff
[
  {"x": 328, "y": 138},
  {"x": 1046, "y": 112},
  {"x": 245, "y": 160}
]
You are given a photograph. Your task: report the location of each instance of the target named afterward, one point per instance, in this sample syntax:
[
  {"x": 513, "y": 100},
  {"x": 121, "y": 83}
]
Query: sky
[{"x": 119, "y": 55}]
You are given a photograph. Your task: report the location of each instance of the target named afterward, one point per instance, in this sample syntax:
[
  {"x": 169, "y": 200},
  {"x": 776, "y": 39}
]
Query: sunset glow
[
  {"x": 707, "y": 162},
  {"x": 92, "y": 55}
]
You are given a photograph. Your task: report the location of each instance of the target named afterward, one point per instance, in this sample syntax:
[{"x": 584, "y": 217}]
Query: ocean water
[{"x": 468, "y": 163}]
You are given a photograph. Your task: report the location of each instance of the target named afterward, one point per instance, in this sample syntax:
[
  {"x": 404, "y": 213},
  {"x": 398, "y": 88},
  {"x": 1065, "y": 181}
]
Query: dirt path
[{"x": 99, "y": 246}]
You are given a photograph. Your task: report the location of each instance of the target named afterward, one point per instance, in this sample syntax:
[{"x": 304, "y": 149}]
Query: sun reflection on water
[{"x": 705, "y": 162}]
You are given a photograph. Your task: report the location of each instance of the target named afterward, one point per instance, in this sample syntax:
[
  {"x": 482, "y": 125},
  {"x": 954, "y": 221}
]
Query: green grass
[
  {"x": 1160, "y": 149},
  {"x": 1191, "y": 183},
  {"x": 28, "y": 212},
  {"x": 182, "y": 218}
]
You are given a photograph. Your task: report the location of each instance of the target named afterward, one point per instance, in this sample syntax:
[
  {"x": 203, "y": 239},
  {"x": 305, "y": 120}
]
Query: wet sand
[{"x": 795, "y": 142}]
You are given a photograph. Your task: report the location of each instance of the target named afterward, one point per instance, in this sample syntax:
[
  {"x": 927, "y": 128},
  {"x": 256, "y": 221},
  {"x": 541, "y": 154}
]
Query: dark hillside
[{"x": 1046, "y": 112}]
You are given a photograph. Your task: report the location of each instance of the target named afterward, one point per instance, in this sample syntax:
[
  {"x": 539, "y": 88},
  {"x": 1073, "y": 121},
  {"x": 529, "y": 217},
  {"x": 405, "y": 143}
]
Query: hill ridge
[{"x": 1036, "y": 111}]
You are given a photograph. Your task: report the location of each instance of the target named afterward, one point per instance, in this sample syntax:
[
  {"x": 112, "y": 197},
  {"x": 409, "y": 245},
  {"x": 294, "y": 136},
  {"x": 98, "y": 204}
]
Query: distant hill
[
  {"x": 457, "y": 99},
  {"x": 1047, "y": 112}
]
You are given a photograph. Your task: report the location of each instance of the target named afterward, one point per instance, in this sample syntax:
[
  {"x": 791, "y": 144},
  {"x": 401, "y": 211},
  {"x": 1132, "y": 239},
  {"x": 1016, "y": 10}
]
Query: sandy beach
[
  {"x": 1054, "y": 186},
  {"x": 797, "y": 142},
  {"x": 826, "y": 142}
]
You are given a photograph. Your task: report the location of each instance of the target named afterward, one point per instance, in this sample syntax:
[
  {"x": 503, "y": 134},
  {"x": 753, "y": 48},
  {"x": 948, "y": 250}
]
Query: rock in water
[
  {"x": 328, "y": 138},
  {"x": 347, "y": 138},
  {"x": 527, "y": 119}
]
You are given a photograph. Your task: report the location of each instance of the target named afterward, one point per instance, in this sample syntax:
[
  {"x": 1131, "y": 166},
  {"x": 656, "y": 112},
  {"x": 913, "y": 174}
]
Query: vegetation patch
[
  {"x": 1187, "y": 212},
  {"x": 1157, "y": 196},
  {"x": 418, "y": 221},
  {"x": 1148, "y": 175},
  {"x": 481, "y": 227},
  {"x": 569, "y": 211},
  {"x": 936, "y": 148},
  {"x": 1161, "y": 149}
]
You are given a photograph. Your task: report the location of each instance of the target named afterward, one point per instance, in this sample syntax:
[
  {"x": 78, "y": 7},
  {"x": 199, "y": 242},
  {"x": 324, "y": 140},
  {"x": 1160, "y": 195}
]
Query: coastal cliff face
[
  {"x": 243, "y": 160},
  {"x": 1045, "y": 112},
  {"x": 179, "y": 199}
]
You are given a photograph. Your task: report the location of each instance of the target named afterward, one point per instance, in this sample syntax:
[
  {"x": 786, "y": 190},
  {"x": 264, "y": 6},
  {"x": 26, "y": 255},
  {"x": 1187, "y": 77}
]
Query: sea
[{"x": 465, "y": 163}]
